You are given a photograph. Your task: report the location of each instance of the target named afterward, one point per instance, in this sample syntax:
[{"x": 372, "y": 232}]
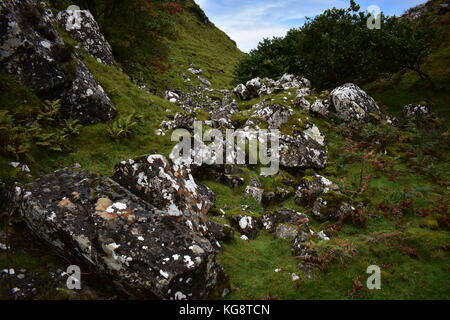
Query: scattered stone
[
  {"x": 312, "y": 187},
  {"x": 246, "y": 225},
  {"x": 255, "y": 190},
  {"x": 221, "y": 232},
  {"x": 416, "y": 110}
]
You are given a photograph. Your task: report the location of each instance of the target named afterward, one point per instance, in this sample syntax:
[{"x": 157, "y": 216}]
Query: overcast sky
[{"x": 249, "y": 21}]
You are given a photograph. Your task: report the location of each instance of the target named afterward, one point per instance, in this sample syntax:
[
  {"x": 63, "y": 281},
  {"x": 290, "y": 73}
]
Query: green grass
[{"x": 204, "y": 46}]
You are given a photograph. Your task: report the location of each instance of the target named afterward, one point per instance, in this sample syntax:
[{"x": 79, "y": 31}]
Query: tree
[
  {"x": 405, "y": 44},
  {"x": 337, "y": 47}
]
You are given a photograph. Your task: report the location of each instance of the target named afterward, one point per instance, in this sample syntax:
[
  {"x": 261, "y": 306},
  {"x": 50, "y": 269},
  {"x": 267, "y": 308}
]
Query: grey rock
[
  {"x": 86, "y": 100},
  {"x": 221, "y": 232},
  {"x": 284, "y": 216},
  {"x": 246, "y": 225},
  {"x": 170, "y": 188},
  {"x": 306, "y": 149},
  {"x": 286, "y": 231},
  {"x": 275, "y": 115},
  {"x": 144, "y": 252},
  {"x": 241, "y": 92},
  {"x": 33, "y": 52},
  {"x": 416, "y": 110},
  {"x": 320, "y": 107},
  {"x": 312, "y": 187},
  {"x": 352, "y": 103},
  {"x": 82, "y": 27}
]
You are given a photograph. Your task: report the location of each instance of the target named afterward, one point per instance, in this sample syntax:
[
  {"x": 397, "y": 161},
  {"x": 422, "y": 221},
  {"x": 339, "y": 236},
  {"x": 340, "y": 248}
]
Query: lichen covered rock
[
  {"x": 274, "y": 115},
  {"x": 112, "y": 232},
  {"x": 81, "y": 26},
  {"x": 284, "y": 216},
  {"x": 312, "y": 187},
  {"x": 171, "y": 189},
  {"x": 352, "y": 103},
  {"x": 304, "y": 149},
  {"x": 86, "y": 100},
  {"x": 246, "y": 225},
  {"x": 332, "y": 206}
]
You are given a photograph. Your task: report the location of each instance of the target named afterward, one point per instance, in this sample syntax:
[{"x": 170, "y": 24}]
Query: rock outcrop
[
  {"x": 352, "y": 103},
  {"x": 117, "y": 235},
  {"x": 171, "y": 189},
  {"x": 33, "y": 52}
]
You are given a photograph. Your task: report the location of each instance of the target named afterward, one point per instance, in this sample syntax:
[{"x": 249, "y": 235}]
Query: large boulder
[
  {"x": 111, "y": 232},
  {"x": 33, "y": 52},
  {"x": 81, "y": 26},
  {"x": 170, "y": 188},
  {"x": 352, "y": 103},
  {"x": 30, "y": 47}
]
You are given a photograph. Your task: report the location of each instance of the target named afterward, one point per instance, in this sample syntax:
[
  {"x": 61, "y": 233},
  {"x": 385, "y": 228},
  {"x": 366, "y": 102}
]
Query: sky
[{"x": 249, "y": 21}]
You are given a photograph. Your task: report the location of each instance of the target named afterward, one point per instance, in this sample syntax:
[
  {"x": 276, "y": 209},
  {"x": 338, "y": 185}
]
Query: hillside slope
[
  {"x": 203, "y": 45},
  {"x": 396, "y": 176}
]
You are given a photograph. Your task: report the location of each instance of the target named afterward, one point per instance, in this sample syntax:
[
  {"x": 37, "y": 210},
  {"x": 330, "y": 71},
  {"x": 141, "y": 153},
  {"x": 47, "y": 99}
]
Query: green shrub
[{"x": 123, "y": 127}]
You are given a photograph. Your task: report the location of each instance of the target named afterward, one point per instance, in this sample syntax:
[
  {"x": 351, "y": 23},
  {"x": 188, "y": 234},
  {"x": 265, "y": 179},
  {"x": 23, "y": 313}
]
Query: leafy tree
[{"x": 337, "y": 47}]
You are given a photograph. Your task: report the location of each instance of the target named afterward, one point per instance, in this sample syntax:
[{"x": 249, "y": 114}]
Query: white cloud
[
  {"x": 250, "y": 21},
  {"x": 249, "y": 38}
]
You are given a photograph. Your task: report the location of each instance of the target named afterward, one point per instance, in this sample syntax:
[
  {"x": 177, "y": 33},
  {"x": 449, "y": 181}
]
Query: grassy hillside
[
  {"x": 401, "y": 175},
  {"x": 202, "y": 45}
]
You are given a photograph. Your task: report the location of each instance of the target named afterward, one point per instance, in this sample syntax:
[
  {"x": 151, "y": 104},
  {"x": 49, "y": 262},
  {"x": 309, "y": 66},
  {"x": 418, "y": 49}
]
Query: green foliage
[
  {"x": 49, "y": 111},
  {"x": 122, "y": 127},
  {"x": 47, "y": 130},
  {"x": 338, "y": 47}
]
